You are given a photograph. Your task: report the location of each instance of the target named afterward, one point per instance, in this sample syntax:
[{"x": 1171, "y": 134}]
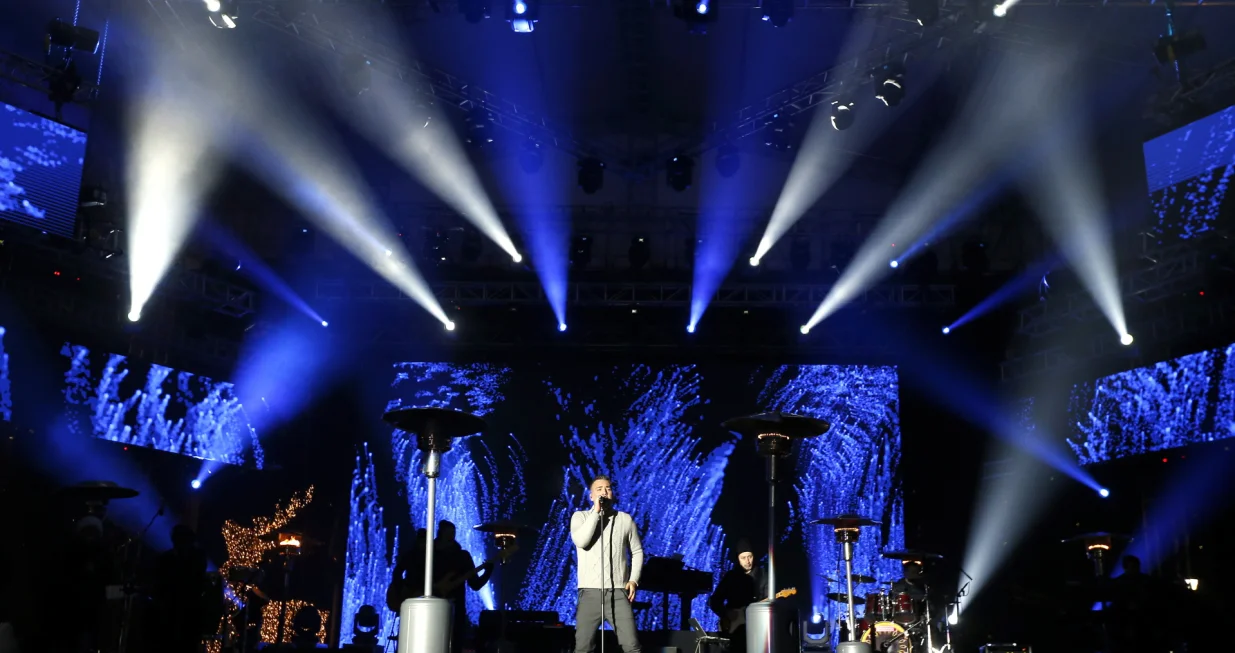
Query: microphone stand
[{"x": 130, "y": 582}]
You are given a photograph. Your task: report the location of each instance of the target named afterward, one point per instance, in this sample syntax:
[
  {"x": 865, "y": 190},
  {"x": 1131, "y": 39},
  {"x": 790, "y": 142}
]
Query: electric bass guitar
[
  {"x": 737, "y": 616},
  {"x": 400, "y": 590}
]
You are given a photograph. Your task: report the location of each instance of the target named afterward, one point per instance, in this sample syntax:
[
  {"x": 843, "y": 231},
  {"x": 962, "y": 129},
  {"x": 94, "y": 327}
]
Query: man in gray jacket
[{"x": 603, "y": 538}]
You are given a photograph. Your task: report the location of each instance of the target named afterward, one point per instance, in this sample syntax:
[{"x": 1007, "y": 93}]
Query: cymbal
[
  {"x": 846, "y": 521},
  {"x": 97, "y": 491},
  {"x": 506, "y": 527},
  {"x": 785, "y": 424},
  {"x": 434, "y": 422},
  {"x": 859, "y": 579},
  {"x": 911, "y": 555},
  {"x": 842, "y": 598}
]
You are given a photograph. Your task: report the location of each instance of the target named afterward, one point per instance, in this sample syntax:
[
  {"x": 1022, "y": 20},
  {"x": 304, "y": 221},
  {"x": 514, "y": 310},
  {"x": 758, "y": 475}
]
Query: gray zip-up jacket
[{"x": 620, "y": 536}]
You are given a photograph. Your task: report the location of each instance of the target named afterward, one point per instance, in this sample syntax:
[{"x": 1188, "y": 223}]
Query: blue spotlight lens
[
  {"x": 1104, "y": 493},
  {"x": 196, "y": 484},
  {"x": 561, "y": 326},
  {"x": 325, "y": 323},
  {"x": 805, "y": 329},
  {"x": 947, "y": 330},
  {"x": 702, "y": 7},
  {"x": 690, "y": 328},
  {"x": 520, "y": 8},
  {"x": 766, "y": 18},
  {"x": 816, "y": 618},
  {"x": 895, "y": 263}
]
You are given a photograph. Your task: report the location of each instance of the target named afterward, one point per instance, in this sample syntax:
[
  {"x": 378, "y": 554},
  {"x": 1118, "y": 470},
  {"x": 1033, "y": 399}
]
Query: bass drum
[{"x": 888, "y": 636}]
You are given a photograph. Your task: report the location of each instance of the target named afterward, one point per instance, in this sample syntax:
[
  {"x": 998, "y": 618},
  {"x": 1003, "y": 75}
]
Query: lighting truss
[
  {"x": 37, "y": 76},
  {"x": 1177, "y": 98},
  {"x": 799, "y": 4},
  {"x": 661, "y": 295},
  {"x": 446, "y": 88}
]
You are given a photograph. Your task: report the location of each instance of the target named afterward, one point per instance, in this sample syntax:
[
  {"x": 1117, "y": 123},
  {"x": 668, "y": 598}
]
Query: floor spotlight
[
  {"x": 450, "y": 326},
  {"x": 561, "y": 326},
  {"x": 591, "y": 175},
  {"x": 890, "y": 84},
  {"x": 947, "y": 330},
  {"x": 516, "y": 257},
  {"x": 135, "y": 315},
  {"x": 196, "y": 484},
  {"x": 679, "y": 172},
  {"x": 690, "y": 328},
  {"x": 842, "y": 115},
  {"x": 1000, "y": 10},
  {"x": 1125, "y": 339},
  {"x": 894, "y": 264},
  {"x": 1104, "y": 493},
  {"x": 954, "y": 615},
  {"x": 754, "y": 261},
  {"x": 213, "y": 5},
  {"x": 728, "y": 160},
  {"x": 805, "y": 329},
  {"x": 325, "y": 324}
]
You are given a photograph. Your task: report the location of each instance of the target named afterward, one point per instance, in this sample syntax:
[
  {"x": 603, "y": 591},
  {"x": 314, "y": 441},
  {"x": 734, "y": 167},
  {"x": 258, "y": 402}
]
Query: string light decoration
[
  {"x": 214, "y": 427},
  {"x": 370, "y": 564},
  {"x": 849, "y": 470},
  {"x": 6, "y": 390},
  {"x": 246, "y": 547},
  {"x": 270, "y": 620}
]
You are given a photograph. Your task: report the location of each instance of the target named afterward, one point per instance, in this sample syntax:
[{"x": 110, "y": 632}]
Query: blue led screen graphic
[
  {"x": 40, "y": 171},
  {"x": 6, "y": 387},
  {"x": 113, "y": 398},
  {"x": 1171, "y": 404},
  {"x": 692, "y": 488},
  {"x": 1189, "y": 172}
]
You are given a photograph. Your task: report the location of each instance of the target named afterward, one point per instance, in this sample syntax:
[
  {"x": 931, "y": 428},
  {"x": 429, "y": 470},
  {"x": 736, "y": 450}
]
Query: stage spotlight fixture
[
  {"x": 639, "y": 253},
  {"x": 479, "y": 127},
  {"x": 1000, "y": 10},
  {"x": 678, "y": 172},
  {"x": 690, "y": 328},
  {"x": 754, "y": 261},
  {"x": 72, "y": 37},
  {"x": 357, "y": 73},
  {"x": 701, "y": 7},
  {"x": 531, "y": 158},
  {"x": 779, "y": 132},
  {"x": 804, "y": 329},
  {"x": 213, "y": 5},
  {"x": 450, "y": 326},
  {"x": 580, "y": 251},
  {"x": 325, "y": 324},
  {"x": 134, "y": 316},
  {"x": 842, "y": 115},
  {"x": 777, "y": 12},
  {"x": 728, "y": 160},
  {"x": 474, "y": 11},
  {"x": 890, "y": 84},
  {"x": 561, "y": 326},
  {"x": 516, "y": 257},
  {"x": 227, "y": 15},
  {"x": 1125, "y": 339},
  {"x": 196, "y": 484},
  {"x": 1104, "y": 493},
  {"x": 591, "y": 175},
  {"x": 522, "y": 15},
  {"x": 954, "y": 615},
  {"x": 924, "y": 11},
  {"x": 894, "y": 264},
  {"x": 947, "y": 330},
  {"x": 799, "y": 254}
]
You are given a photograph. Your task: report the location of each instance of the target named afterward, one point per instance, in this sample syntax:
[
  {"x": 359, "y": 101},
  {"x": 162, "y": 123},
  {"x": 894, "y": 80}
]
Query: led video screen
[
  {"x": 692, "y": 488},
  {"x": 146, "y": 405},
  {"x": 1189, "y": 172},
  {"x": 6, "y": 389},
  {"x": 40, "y": 171},
  {"x": 1171, "y": 404}
]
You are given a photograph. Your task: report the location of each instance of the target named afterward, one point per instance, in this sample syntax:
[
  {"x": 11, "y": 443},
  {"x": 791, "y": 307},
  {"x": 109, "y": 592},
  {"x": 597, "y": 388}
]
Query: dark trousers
[{"x": 616, "y": 610}]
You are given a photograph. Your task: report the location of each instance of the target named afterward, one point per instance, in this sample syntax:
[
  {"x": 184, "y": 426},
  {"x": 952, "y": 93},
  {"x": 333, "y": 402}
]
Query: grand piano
[{"x": 671, "y": 576}]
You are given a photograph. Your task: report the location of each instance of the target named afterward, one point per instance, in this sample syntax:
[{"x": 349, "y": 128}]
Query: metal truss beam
[
  {"x": 1172, "y": 269},
  {"x": 640, "y": 294},
  {"x": 37, "y": 76},
  {"x": 445, "y": 88}
]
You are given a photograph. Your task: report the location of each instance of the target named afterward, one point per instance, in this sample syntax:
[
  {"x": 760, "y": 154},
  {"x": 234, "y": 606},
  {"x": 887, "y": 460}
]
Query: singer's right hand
[{"x": 596, "y": 505}]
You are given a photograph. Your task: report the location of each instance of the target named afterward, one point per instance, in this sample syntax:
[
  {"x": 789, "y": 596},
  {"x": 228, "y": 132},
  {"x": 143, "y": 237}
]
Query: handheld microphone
[{"x": 606, "y": 502}]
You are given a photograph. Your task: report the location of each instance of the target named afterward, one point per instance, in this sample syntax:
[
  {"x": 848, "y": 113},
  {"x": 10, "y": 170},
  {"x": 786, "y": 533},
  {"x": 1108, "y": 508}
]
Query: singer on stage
[{"x": 603, "y": 538}]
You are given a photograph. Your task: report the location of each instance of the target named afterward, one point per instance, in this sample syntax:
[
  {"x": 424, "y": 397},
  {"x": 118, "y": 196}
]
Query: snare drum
[{"x": 888, "y": 636}]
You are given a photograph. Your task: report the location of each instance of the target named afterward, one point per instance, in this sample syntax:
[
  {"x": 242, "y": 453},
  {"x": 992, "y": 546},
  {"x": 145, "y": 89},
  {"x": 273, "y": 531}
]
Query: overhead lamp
[
  {"x": 890, "y": 84},
  {"x": 591, "y": 175},
  {"x": 226, "y": 16},
  {"x": 728, "y": 160},
  {"x": 842, "y": 115},
  {"x": 777, "y": 12},
  {"x": 679, "y": 172},
  {"x": 522, "y": 15}
]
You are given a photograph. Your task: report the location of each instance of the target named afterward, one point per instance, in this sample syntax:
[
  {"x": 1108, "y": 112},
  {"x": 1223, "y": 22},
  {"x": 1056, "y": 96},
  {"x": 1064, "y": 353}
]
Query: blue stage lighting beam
[
  {"x": 669, "y": 489},
  {"x": 282, "y": 369},
  {"x": 254, "y": 268},
  {"x": 1067, "y": 193},
  {"x": 998, "y": 118},
  {"x": 370, "y": 558},
  {"x": 1006, "y": 293}
]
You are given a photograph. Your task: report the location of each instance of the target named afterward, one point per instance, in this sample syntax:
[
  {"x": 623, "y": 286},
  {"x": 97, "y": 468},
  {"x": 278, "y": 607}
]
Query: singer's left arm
[{"x": 636, "y": 559}]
